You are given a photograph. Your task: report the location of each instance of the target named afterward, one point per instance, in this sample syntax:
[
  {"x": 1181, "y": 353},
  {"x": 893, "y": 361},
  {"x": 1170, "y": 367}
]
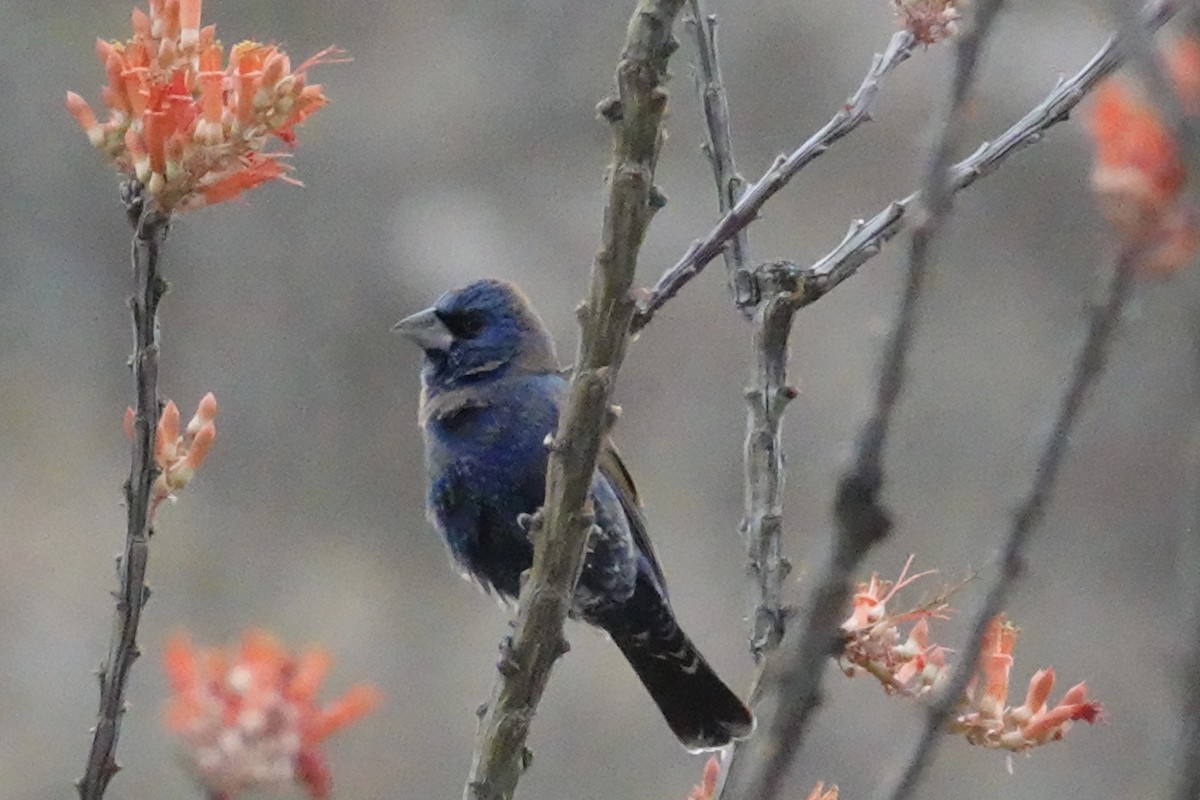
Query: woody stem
[{"x": 150, "y": 230}]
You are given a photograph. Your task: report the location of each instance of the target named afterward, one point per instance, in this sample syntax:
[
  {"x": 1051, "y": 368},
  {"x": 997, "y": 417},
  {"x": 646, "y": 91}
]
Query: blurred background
[{"x": 461, "y": 143}]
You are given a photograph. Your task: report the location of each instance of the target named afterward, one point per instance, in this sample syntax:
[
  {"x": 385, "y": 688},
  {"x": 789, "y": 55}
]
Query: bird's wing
[{"x": 613, "y": 469}]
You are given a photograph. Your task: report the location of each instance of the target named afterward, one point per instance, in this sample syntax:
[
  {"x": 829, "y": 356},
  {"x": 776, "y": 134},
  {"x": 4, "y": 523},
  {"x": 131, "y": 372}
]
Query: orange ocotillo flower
[
  {"x": 1139, "y": 174},
  {"x": 179, "y": 453},
  {"x": 897, "y": 648},
  {"x": 189, "y": 127},
  {"x": 986, "y": 718},
  {"x": 894, "y": 646},
  {"x": 247, "y": 716},
  {"x": 707, "y": 788}
]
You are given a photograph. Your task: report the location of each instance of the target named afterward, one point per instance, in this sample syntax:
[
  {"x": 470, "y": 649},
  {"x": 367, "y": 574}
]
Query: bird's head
[{"x": 480, "y": 331}]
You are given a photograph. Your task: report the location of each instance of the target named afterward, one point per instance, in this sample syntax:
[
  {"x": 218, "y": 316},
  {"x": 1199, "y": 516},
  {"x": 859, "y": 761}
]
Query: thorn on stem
[
  {"x": 784, "y": 569},
  {"x": 131, "y": 196},
  {"x": 780, "y": 399},
  {"x": 610, "y": 419},
  {"x": 507, "y": 665},
  {"x": 531, "y": 523},
  {"x": 658, "y": 98},
  {"x": 611, "y": 109}
]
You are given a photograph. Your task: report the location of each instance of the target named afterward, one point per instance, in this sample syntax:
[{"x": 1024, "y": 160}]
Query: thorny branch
[
  {"x": 937, "y": 195},
  {"x": 791, "y": 682},
  {"x": 561, "y": 530},
  {"x": 865, "y": 240},
  {"x": 150, "y": 229},
  {"x": 854, "y": 113},
  {"x": 1088, "y": 367},
  {"x": 1187, "y": 758},
  {"x": 768, "y": 393}
]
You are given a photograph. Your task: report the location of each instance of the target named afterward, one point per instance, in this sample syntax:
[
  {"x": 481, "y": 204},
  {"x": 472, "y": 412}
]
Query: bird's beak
[{"x": 424, "y": 328}]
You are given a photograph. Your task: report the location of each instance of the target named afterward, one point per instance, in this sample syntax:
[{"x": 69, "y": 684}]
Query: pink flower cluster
[{"x": 896, "y": 648}]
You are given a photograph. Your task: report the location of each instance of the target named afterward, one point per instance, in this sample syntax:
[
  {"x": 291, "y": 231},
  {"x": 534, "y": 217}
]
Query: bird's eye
[{"x": 463, "y": 324}]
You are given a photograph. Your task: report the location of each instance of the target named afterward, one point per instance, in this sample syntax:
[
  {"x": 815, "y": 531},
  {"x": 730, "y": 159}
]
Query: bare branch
[
  {"x": 1088, "y": 367},
  {"x": 1187, "y": 759},
  {"x": 719, "y": 149},
  {"x": 769, "y": 393},
  {"x": 862, "y": 483},
  {"x": 150, "y": 229},
  {"x": 855, "y": 112},
  {"x": 791, "y": 683},
  {"x": 865, "y": 239},
  {"x": 768, "y": 396},
  {"x": 561, "y": 535}
]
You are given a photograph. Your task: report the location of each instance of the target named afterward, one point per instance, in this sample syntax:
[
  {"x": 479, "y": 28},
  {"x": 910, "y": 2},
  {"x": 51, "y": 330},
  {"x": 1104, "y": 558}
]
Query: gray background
[{"x": 461, "y": 143}]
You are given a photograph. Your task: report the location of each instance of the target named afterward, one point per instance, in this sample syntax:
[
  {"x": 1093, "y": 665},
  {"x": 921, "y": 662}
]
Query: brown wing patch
[{"x": 613, "y": 469}]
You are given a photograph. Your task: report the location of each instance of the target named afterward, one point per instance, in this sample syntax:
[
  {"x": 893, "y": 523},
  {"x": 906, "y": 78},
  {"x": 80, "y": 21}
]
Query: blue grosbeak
[{"x": 491, "y": 390}]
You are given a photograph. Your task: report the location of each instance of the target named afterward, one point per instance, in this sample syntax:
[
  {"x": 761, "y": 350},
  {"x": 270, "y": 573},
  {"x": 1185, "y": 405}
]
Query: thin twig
[
  {"x": 150, "y": 231},
  {"x": 1187, "y": 759},
  {"x": 1088, "y": 367},
  {"x": 865, "y": 239},
  {"x": 854, "y": 113},
  {"x": 560, "y": 532},
  {"x": 718, "y": 147},
  {"x": 791, "y": 683},
  {"x": 864, "y": 480}
]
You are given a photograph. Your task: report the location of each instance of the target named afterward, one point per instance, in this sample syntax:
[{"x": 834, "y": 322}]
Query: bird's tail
[{"x": 700, "y": 709}]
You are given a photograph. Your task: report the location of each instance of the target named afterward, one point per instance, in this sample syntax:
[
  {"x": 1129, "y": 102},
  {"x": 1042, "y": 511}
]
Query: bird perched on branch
[{"x": 490, "y": 396}]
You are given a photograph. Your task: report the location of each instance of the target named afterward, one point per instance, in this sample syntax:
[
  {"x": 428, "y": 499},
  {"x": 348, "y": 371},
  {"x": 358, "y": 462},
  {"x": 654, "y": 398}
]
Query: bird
[{"x": 491, "y": 392}]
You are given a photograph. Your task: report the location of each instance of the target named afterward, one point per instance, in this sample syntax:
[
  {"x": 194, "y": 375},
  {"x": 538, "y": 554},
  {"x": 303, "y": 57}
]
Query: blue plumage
[{"x": 490, "y": 395}]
